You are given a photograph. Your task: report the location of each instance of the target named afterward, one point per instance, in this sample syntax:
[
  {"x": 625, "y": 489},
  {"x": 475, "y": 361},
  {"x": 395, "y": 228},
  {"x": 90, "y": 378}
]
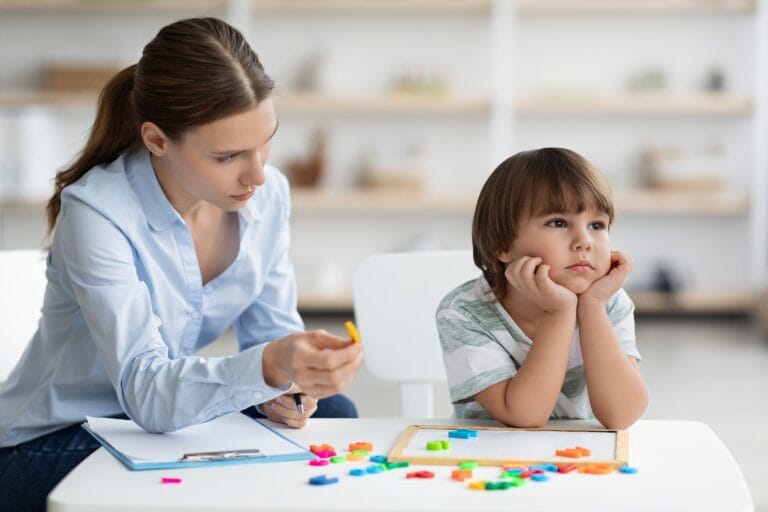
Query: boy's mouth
[{"x": 581, "y": 266}]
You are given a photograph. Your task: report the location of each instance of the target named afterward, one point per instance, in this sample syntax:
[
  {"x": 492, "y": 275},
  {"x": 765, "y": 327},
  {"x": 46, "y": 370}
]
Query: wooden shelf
[
  {"x": 673, "y": 202},
  {"x": 650, "y": 303},
  {"x": 633, "y": 6},
  {"x": 379, "y": 202},
  {"x": 639, "y": 104},
  {"x": 634, "y": 105},
  {"x": 287, "y": 102},
  {"x": 694, "y": 302},
  {"x": 395, "y": 104},
  {"x": 639, "y": 201},
  {"x": 407, "y": 7},
  {"x": 372, "y": 6},
  {"x": 30, "y": 97},
  {"x": 137, "y": 6}
]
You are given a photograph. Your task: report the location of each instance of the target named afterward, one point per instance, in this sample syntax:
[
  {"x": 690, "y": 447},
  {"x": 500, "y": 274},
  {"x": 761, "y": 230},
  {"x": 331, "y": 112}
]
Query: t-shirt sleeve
[
  {"x": 473, "y": 359},
  {"x": 621, "y": 312}
]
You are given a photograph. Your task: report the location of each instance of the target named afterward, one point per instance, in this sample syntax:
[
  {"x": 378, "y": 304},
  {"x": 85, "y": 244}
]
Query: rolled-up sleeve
[{"x": 159, "y": 393}]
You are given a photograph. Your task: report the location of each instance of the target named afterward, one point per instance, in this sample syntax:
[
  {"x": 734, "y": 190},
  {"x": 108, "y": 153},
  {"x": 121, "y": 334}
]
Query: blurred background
[{"x": 394, "y": 112}]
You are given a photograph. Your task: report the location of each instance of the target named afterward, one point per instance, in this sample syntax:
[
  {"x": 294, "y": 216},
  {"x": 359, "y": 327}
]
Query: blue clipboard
[{"x": 200, "y": 459}]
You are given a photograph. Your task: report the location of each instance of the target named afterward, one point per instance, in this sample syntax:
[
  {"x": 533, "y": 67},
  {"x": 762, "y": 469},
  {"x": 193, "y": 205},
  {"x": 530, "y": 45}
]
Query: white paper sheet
[{"x": 227, "y": 433}]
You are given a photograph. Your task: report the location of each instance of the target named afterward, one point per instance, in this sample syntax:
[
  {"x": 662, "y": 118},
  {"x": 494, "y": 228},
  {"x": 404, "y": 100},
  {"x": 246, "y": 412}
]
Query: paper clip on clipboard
[{"x": 222, "y": 455}]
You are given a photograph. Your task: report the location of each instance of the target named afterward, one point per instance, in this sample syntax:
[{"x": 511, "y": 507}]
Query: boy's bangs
[{"x": 545, "y": 200}]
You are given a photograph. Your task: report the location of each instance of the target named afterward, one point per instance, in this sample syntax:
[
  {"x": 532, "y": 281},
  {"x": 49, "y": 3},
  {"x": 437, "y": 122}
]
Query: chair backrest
[
  {"x": 395, "y": 299},
  {"x": 22, "y": 286}
]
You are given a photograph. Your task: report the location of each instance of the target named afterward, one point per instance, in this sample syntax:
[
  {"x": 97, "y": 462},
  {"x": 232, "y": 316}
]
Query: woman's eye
[{"x": 225, "y": 158}]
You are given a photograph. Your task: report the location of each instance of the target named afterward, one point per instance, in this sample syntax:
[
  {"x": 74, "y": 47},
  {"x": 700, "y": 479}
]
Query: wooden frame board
[{"x": 498, "y": 446}]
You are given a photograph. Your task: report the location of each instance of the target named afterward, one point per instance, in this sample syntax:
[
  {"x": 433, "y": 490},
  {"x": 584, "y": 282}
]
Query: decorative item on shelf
[
  {"x": 647, "y": 80},
  {"x": 714, "y": 80},
  {"x": 78, "y": 77},
  {"x": 307, "y": 172},
  {"x": 25, "y": 170},
  {"x": 667, "y": 279},
  {"x": 397, "y": 170},
  {"x": 676, "y": 168},
  {"x": 420, "y": 83},
  {"x": 312, "y": 74}
]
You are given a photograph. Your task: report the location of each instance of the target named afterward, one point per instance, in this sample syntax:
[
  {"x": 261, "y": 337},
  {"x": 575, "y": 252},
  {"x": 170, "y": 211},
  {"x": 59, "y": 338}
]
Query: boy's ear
[
  {"x": 154, "y": 139},
  {"x": 505, "y": 256}
]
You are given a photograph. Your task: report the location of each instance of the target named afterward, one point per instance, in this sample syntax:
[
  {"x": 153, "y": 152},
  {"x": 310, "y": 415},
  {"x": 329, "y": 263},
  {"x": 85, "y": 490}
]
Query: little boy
[{"x": 547, "y": 331}]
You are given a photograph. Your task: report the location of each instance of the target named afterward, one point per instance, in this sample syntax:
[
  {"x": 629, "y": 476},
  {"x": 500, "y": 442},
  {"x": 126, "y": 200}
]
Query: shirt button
[
  {"x": 195, "y": 315},
  {"x": 258, "y": 394}
]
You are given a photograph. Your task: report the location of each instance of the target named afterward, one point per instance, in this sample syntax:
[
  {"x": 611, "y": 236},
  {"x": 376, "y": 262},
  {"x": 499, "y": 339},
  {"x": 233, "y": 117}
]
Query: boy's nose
[{"x": 582, "y": 243}]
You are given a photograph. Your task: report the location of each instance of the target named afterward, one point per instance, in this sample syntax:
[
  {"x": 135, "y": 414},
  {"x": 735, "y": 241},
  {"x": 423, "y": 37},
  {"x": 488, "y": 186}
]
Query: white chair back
[
  {"x": 22, "y": 286},
  {"x": 395, "y": 299}
]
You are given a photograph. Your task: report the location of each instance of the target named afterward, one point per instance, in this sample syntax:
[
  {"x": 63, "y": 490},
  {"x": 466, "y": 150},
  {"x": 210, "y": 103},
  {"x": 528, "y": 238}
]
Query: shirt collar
[
  {"x": 249, "y": 212},
  {"x": 159, "y": 211}
]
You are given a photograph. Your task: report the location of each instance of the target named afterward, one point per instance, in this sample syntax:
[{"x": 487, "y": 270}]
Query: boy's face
[{"x": 575, "y": 245}]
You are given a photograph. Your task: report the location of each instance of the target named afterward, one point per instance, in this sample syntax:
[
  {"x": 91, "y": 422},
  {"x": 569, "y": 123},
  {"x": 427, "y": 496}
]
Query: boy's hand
[
  {"x": 320, "y": 363},
  {"x": 530, "y": 278},
  {"x": 283, "y": 408},
  {"x": 604, "y": 288}
]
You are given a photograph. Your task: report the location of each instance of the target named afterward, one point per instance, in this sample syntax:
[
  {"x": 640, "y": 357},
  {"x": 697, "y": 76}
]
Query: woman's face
[{"x": 221, "y": 162}]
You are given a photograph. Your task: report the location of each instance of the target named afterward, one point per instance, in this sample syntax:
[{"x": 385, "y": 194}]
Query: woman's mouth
[{"x": 244, "y": 197}]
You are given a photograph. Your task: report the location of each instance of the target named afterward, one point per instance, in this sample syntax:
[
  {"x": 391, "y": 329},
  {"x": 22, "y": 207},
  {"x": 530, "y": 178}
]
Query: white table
[{"x": 682, "y": 466}]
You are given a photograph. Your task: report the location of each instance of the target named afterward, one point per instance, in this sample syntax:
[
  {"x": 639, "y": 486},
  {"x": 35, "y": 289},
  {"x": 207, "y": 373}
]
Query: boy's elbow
[
  {"x": 536, "y": 420},
  {"x": 621, "y": 421}
]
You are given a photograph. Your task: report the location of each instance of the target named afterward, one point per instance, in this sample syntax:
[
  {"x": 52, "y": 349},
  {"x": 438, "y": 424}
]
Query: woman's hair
[
  {"x": 194, "y": 72},
  {"x": 529, "y": 184}
]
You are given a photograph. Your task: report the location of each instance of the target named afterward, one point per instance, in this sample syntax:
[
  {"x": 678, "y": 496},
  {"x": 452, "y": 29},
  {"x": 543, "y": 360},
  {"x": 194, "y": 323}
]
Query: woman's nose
[{"x": 254, "y": 175}]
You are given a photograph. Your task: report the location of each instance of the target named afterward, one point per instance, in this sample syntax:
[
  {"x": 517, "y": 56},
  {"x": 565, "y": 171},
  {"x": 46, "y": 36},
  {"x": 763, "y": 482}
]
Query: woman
[{"x": 169, "y": 228}]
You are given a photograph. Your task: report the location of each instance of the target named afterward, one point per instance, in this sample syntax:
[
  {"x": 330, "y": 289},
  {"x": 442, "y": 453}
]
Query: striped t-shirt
[{"x": 482, "y": 345}]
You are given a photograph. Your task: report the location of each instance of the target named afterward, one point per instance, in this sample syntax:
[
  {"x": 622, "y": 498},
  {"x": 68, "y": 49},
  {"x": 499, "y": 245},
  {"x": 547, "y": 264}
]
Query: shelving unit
[
  {"x": 648, "y": 104},
  {"x": 635, "y": 202},
  {"x": 111, "y": 6},
  {"x": 646, "y": 303},
  {"x": 470, "y": 127},
  {"x": 633, "y": 6},
  {"x": 308, "y": 103},
  {"x": 371, "y": 7}
]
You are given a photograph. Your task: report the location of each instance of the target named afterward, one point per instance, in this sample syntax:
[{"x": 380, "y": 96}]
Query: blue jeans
[{"x": 30, "y": 471}]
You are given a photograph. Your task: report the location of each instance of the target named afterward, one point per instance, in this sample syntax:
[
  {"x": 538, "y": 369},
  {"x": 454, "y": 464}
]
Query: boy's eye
[
  {"x": 597, "y": 226},
  {"x": 556, "y": 223}
]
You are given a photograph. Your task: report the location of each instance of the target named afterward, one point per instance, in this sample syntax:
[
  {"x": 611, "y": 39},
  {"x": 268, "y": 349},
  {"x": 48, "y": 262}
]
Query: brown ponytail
[
  {"x": 114, "y": 132},
  {"x": 193, "y": 72}
]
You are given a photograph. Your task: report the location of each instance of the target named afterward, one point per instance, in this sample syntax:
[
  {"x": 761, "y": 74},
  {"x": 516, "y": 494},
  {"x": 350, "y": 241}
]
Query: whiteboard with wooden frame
[{"x": 498, "y": 446}]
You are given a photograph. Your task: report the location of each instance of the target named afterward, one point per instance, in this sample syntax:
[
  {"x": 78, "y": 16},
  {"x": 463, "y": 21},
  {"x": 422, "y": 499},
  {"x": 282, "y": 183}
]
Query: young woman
[{"x": 170, "y": 227}]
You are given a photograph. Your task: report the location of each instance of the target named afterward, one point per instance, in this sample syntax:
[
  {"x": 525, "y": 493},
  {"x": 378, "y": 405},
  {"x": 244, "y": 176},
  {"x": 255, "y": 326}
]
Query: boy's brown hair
[{"x": 529, "y": 184}]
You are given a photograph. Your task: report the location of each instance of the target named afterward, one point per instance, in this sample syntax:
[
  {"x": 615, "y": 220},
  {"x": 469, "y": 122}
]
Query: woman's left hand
[
  {"x": 283, "y": 408},
  {"x": 604, "y": 288}
]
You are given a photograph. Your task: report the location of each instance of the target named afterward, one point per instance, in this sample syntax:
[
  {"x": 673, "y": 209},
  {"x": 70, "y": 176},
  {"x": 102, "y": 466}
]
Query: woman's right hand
[
  {"x": 529, "y": 277},
  {"x": 320, "y": 363}
]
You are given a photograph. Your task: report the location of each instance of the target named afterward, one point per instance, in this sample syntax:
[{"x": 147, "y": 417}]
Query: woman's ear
[{"x": 154, "y": 139}]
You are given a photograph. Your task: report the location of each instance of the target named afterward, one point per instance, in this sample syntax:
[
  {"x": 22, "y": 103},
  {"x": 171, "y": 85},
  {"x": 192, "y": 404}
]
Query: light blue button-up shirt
[{"x": 125, "y": 310}]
